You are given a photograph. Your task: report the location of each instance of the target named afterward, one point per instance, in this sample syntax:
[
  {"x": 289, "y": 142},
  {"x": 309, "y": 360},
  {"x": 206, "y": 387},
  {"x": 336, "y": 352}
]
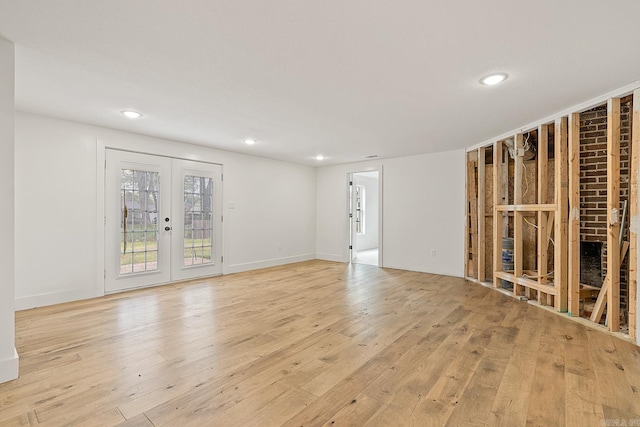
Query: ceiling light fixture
[
  {"x": 250, "y": 141},
  {"x": 493, "y": 79},
  {"x": 131, "y": 114},
  {"x": 319, "y": 157}
]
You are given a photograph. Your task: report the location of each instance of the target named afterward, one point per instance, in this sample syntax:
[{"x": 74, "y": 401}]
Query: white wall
[
  {"x": 57, "y": 243},
  {"x": 423, "y": 210},
  {"x": 8, "y": 355},
  {"x": 368, "y": 240}
]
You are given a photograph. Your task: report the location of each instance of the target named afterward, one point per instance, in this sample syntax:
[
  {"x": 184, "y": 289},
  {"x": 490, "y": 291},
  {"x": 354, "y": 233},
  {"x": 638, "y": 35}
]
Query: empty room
[{"x": 283, "y": 213}]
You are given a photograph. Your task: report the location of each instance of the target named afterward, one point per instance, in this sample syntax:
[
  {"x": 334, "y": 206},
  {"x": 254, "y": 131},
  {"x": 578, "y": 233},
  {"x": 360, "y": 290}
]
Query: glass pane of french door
[
  {"x": 139, "y": 203},
  {"x": 197, "y": 186},
  {"x": 198, "y": 220}
]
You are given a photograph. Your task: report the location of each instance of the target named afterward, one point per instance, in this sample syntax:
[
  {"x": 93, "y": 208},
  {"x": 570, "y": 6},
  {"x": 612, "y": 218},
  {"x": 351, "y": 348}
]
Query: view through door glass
[
  {"x": 198, "y": 220},
  {"x": 139, "y": 197}
]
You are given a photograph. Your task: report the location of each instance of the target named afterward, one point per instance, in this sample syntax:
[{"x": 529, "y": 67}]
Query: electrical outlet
[{"x": 433, "y": 252}]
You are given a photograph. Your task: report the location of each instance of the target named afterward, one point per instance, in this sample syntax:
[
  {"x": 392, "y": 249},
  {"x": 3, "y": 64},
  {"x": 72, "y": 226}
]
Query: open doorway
[{"x": 365, "y": 218}]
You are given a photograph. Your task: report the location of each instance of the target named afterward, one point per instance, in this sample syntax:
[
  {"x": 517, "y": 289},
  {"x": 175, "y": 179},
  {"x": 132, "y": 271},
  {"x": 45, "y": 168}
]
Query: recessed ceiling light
[
  {"x": 131, "y": 114},
  {"x": 319, "y": 157},
  {"x": 250, "y": 141},
  {"x": 493, "y": 79}
]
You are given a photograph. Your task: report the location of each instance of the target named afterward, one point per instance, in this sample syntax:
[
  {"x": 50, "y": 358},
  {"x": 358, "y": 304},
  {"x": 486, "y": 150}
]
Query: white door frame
[
  {"x": 379, "y": 169},
  {"x": 101, "y": 158}
]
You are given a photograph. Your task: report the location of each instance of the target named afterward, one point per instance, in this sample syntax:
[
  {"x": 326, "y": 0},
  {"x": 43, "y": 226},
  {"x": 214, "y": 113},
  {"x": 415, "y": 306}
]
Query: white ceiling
[{"x": 345, "y": 78}]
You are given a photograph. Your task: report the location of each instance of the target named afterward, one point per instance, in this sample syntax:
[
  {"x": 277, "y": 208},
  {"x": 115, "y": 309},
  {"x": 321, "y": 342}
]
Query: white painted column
[{"x": 8, "y": 354}]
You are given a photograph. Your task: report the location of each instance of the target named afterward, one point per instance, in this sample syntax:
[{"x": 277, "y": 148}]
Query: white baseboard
[
  {"x": 238, "y": 268},
  {"x": 422, "y": 269},
  {"x": 332, "y": 257},
  {"x": 9, "y": 368},
  {"x": 32, "y": 301}
]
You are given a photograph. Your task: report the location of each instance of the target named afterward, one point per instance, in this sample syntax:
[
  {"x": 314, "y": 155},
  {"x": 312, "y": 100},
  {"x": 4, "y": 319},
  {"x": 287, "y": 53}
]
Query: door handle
[{"x": 167, "y": 229}]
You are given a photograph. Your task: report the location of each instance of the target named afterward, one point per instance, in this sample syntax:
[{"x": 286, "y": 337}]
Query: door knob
[
  {"x": 167, "y": 228},
  {"x": 166, "y": 219}
]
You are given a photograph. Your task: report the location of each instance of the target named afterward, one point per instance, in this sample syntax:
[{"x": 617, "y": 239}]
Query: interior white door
[
  {"x": 137, "y": 202},
  {"x": 196, "y": 215},
  {"x": 162, "y": 220},
  {"x": 352, "y": 219}
]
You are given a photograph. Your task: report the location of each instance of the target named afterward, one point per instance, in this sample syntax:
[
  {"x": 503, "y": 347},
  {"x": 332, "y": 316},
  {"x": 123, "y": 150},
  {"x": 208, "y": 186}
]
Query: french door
[{"x": 162, "y": 220}]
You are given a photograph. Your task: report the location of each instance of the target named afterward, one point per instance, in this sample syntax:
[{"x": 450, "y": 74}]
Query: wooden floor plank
[{"x": 316, "y": 343}]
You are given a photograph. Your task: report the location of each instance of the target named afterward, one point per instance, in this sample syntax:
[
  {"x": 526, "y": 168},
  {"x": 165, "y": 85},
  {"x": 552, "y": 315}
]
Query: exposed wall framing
[{"x": 529, "y": 207}]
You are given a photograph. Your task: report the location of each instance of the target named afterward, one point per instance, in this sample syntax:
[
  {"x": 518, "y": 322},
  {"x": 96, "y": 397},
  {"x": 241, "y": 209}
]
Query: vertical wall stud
[
  {"x": 543, "y": 242},
  {"x": 481, "y": 215},
  {"x": 613, "y": 213},
  {"x": 633, "y": 215},
  {"x": 497, "y": 215},
  {"x": 562, "y": 214},
  {"x": 518, "y": 231},
  {"x": 574, "y": 215}
]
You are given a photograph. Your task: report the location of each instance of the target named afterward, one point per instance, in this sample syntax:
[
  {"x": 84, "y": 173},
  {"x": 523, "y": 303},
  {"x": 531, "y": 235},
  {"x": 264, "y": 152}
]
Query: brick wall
[{"x": 593, "y": 179}]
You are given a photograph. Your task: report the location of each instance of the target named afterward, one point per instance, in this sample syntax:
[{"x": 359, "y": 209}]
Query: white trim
[
  {"x": 421, "y": 269},
  {"x": 332, "y": 257},
  {"x": 101, "y": 159},
  {"x": 380, "y": 215},
  {"x": 380, "y": 169},
  {"x": 578, "y": 108},
  {"x": 41, "y": 300},
  {"x": 9, "y": 368},
  {"x": 238, "y": 268}
]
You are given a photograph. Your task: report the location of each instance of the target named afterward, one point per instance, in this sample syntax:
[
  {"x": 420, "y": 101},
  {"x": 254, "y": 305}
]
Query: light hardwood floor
[{"x": 317, "y": 343}]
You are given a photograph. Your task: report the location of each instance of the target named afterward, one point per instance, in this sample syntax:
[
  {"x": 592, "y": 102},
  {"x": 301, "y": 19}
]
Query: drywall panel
[
  {"x": 423, "y": 212},
  {"x": 268, "y": 207},
  {"x": 8, "y": 355}
]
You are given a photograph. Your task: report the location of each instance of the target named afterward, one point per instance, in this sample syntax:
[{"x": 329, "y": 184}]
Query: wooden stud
[
  {"x": 504, "y": 177},
  {"x": 481, "y": 263},
  {"x": 527, "y": 208},
  {"x": 497, "y": 216},
  {"x": 562, "y": 212},
  {"x": 518, "y": 231},
  {"x": 543, "y": 242},
  {"x": 603, "y": 295},
  {"x": 550, "y": 222},
  {"x": 613, "y": 213},
  {"x": 467, "y": 238},
  {"x": 574, "y": 216},
  {"x": 634, "y": 217},
  {"x": 472, "y": 204}
]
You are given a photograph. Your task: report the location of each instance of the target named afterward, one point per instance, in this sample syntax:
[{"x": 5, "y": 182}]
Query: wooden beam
[
  {"x": 574, "y": 216},
  {"x": 560, "y": 262},
  {"x": 481, "y": 214},
  {"x": 528, "y": 283},
  {"x": 473, "y": 213},
  {"x": 549, "y": 207},
  {"x": 613, "y": 213},
  {"x": 603, "y": 295},
  {"x": 543, "y": 241},
  {"x": 504, "y": 193},
  {"x": 518, "y": 222},
  {"x": 634, "y": 216},
  {"x": 467, "y": 239},
  {"x": 497, "y": 216}
]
